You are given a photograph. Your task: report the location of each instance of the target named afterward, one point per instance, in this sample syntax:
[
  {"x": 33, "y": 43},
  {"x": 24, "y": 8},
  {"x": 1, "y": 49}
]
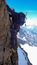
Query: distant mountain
[{"x": 28, "y": 36}]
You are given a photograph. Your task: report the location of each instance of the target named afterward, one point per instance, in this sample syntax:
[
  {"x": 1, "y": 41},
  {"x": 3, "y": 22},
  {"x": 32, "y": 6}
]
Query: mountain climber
[{"x": 18, "y": 20}]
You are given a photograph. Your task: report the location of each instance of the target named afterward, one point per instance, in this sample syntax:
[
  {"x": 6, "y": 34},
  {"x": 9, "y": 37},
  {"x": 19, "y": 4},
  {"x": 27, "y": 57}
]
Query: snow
[{"x": 32, "y": 53}]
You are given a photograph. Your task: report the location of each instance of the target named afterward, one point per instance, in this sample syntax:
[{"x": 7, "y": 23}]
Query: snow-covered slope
[
  {"x": 32, "y": 53},
  {"x": 22, "y": 57}
]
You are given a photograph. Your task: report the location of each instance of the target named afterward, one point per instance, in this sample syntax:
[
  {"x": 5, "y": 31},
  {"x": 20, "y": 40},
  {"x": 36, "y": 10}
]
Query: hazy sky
[{"x": 29, "y": 6}]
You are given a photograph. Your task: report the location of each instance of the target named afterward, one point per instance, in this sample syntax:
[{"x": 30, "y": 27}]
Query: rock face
[
  {"x": 7, "y": 55},
  {"x": 4, "y": 32}
]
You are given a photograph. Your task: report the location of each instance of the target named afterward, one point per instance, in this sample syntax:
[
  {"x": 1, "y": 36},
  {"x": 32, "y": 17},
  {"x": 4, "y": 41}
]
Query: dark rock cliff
[{"x": 4, "y": 33}]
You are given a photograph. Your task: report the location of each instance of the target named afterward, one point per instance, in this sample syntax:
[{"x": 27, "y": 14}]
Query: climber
[{"x": 18, "y": 19}]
